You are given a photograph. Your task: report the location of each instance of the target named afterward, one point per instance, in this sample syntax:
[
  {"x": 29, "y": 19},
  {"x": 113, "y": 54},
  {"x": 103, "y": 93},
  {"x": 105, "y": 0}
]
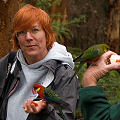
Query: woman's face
[{"x": 33, "y": 43}]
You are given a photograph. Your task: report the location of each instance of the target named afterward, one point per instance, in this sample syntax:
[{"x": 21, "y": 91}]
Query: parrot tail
[
  {"x": 78, "y": 59},
  {"x": 60, "y": 110},
  {"x": 80, "y": 65}
]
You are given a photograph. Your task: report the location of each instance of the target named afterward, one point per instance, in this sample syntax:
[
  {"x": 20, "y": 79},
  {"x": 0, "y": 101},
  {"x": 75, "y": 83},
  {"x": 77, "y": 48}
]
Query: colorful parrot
[
  {"x": 90, "y": 55},
  {"x": 49, "y": 96}
]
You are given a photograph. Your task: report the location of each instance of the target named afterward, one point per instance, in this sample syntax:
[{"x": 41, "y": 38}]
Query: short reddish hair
[{"x": 24, "y": 20}]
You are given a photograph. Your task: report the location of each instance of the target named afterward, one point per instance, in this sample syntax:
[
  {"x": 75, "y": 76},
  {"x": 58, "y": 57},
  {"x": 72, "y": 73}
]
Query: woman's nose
[{"x": 28, "y": 36}]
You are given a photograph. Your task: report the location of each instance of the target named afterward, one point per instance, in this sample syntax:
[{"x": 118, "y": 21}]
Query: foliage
[
  {"x": 62, "y": 30},
  {"x": 111, "y": 83},
  {"x": 78, "y": 114},
  {"x": 60, "y": 27},
  {"x": 46, "y": 4}
]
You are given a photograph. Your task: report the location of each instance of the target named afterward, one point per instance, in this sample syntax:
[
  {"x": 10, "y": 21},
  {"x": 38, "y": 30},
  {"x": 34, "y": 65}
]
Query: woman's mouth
[{"x": 31, "y": 46}]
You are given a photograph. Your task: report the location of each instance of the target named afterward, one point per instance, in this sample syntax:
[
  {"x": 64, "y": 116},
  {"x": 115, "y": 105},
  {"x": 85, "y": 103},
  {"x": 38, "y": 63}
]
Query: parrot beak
[
  {"x": 35, "y": 90},
  {"x": 38, "y": 89}
]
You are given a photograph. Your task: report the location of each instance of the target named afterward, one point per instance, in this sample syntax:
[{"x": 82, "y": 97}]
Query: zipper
[{"x": 13, "y": 88}]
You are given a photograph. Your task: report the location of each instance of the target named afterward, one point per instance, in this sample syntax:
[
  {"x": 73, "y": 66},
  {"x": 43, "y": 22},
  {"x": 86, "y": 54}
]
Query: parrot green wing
[
  {"x": 94, "y": 52},
  {"x": 51, "y": 96},
  {"x": 89, "y": 55}
]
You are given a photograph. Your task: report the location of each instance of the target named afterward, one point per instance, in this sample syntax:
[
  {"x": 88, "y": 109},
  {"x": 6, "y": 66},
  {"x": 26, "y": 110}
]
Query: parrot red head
[{"x": 37, "y": 88}]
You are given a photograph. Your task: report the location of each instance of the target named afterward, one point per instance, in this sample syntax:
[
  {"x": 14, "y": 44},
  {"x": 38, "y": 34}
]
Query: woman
[
  {"x": 39, "y": 60},
  {"x": 93, "y": 101}
]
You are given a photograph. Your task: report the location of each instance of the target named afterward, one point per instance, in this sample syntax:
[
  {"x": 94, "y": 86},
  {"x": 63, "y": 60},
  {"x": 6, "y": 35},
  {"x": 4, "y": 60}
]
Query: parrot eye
[{"x": 35, "y": 88}]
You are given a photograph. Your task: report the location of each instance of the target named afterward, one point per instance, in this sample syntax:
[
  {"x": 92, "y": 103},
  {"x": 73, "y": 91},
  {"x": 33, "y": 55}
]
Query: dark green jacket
[{"x": 94, "y": 105}]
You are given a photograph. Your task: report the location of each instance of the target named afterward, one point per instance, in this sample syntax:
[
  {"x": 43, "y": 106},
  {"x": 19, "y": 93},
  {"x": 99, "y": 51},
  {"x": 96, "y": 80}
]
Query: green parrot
[
  {"x": 49, "y": 96},
  {"x": 90, "y": 55}
]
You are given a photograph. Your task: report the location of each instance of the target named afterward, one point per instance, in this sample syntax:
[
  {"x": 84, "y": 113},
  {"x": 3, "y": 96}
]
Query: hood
[{"x": 59, "y": 52}]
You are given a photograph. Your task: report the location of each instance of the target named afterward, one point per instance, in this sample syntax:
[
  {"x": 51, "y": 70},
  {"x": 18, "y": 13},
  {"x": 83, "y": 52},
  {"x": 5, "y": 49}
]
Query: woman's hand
[
  {"x": 100, "y": 69},
  {"x": 30, "y": 107}
]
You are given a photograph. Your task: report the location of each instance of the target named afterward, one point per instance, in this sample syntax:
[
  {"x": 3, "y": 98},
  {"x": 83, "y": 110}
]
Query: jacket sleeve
[
  {"x": 68, "y": 93},
  {"x": 94, "y": 105},
  {"x": 3, "y": 71}
]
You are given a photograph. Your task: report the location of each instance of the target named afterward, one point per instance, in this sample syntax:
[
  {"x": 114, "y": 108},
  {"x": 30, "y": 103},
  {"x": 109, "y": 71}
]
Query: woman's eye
[
  {"x": 35, "y": 30},
  {"x": 21, "y": 33}
]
